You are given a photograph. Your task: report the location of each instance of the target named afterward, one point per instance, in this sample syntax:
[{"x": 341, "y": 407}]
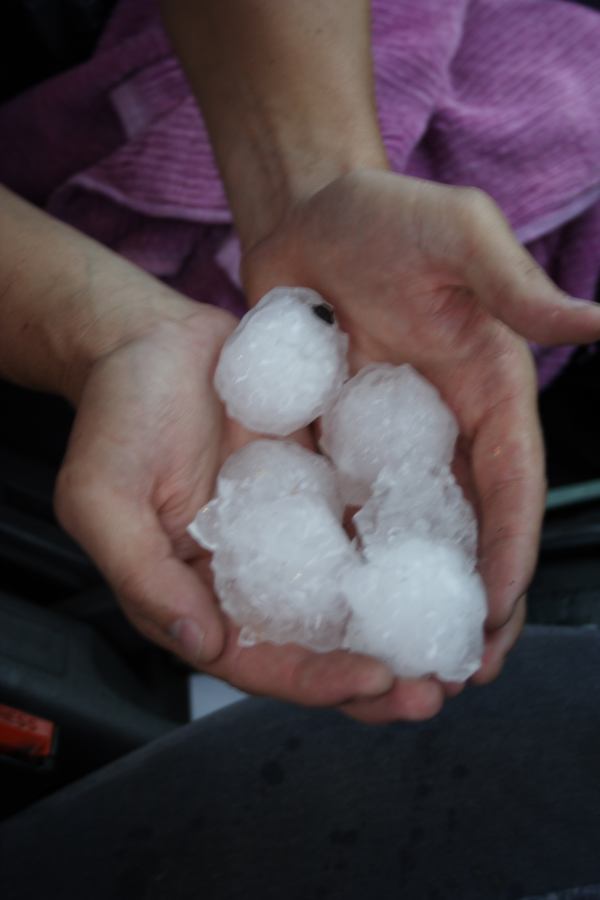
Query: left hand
[{"x": 432, "y": 275}]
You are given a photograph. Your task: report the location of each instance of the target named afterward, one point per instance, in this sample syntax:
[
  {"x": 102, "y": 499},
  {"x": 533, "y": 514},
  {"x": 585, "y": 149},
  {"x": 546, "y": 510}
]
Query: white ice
[
  {"x": 277, "y": 564},
  {"x": 417, "y": 605},
  {"x": 284, "y": 363},
  {"x": 266, "y": 469},
  {"x": 386, "y": 416},
  {"x": 407, "y": 501},
  {"x": 406, "y": 591}
]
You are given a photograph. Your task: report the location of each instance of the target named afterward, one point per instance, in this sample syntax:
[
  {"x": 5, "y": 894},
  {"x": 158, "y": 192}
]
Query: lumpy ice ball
[
  {"x": 266, "y": 469},
  {"x": 284, "y": 363},
  {"x": 407, "y": 590},
  {"x": 383, "y": 417},
  {"x": 409, "y": 502},
  {"x": 417, "y": 605},
  {"x": 277, "y": 565}
]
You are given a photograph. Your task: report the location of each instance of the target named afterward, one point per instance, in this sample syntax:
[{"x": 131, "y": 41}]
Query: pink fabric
[{"x": 500, "y": 94}]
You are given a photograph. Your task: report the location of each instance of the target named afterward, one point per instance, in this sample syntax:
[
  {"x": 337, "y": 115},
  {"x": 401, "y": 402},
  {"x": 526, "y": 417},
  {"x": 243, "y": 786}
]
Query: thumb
[
  {"x": 515, "y": 289},
  {"x": 161, "y": 595}
]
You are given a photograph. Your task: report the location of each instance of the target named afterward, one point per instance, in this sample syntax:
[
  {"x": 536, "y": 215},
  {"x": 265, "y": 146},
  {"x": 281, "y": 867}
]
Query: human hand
[
  {"x": 149, "y": 438},
  {"x": 432, "y": 275}
]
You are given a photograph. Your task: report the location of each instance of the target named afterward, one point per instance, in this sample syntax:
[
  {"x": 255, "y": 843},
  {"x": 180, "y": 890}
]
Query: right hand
[{"x": 148, "y": 440}]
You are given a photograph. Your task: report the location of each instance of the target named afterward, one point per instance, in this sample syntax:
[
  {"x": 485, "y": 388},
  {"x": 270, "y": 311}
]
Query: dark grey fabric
[
  {"x": 592, "y": 892},
  {"x": 498, "y": 797}
]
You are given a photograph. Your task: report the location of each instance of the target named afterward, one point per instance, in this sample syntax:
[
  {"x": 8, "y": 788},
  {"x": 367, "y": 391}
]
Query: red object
[{"x": 25, "y": 735}]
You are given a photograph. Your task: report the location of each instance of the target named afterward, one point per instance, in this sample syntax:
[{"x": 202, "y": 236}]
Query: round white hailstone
[
  {"x": 406, "y": 502},
  {"x": 383, "y": 416},
  {"x": 284, "y": 363},
  {"x": 266, "y": 469},
  {"x": 417, "y": 606},
  {"x": 277, "y": 565}
]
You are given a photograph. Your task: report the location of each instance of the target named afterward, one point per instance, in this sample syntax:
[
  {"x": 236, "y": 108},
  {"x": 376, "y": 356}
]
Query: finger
[
  {"x": 513, "y": 287},
  {"x": 508, "y": 469},
  {"x": 159, "y": 593},
  {"x": 495, "y": 397},
  {"x": 409, "y": 701},
  {"x": 499, "y": 643},
  {"x": 295, "y": 674}
]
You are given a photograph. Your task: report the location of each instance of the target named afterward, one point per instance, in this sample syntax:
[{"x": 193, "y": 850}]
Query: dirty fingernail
[{"x": 190, "y": 638}]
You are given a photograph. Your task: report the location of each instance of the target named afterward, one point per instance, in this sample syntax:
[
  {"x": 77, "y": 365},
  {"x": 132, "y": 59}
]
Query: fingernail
[
  {"x": 190, "y": 638},
  {"x": 378, "y": 681}
]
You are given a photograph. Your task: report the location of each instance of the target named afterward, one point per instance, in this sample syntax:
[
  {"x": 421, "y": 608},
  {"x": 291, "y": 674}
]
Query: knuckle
[
  {"x": 475, "y": 215},
  {"x": 132, "y": 589},
  {"x": 476, "y": 204}
]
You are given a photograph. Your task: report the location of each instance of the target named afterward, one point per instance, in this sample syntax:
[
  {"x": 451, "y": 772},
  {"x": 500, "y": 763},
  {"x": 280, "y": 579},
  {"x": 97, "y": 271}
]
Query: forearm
[
  {"x": 65, "y": 300},
  {"x": 286, "y": 90}
]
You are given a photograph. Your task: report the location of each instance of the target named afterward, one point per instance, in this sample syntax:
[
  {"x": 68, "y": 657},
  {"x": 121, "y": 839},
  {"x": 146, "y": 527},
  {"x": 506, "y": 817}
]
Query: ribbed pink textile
[{"x": 500, "y": 94}]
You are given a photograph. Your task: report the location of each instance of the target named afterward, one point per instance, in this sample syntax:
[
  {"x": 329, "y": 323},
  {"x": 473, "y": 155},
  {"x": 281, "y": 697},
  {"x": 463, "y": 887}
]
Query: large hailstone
[
  {"x": 284, "y": 363},
  {"x": 265, "y": 469},
  {"x": 407, "y": 501},
  {"x": 383, "y": 417},
  {"x": 417, "y": 605},
  {"x": 277, "y": 563}
]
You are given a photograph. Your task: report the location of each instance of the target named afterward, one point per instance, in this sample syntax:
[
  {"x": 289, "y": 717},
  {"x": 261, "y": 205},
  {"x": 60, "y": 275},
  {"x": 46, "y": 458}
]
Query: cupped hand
[
  {"x": 432, "y": 275},
  {"x": 149, "y": 437}
]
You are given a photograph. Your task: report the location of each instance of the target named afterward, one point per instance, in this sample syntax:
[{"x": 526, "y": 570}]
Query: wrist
[
  {"x": 285, "y": 178},
  {"x": 287, "y": 95},
  {"x": 65, "y": 300},
  {"x": 114, "y": 304}
]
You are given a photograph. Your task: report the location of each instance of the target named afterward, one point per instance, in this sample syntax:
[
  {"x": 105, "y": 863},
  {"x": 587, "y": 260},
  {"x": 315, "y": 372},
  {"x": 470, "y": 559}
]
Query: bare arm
[
  {"x": 286, "y": 89},
  {"x": 65, "y": 300}
]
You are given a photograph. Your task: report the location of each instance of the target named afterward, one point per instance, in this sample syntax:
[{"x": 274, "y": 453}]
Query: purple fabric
[{"x": 499, "y": 94}]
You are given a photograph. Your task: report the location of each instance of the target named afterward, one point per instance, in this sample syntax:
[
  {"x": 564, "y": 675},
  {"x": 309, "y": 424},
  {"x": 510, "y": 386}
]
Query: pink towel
[{"x": 500, "y": 94}]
